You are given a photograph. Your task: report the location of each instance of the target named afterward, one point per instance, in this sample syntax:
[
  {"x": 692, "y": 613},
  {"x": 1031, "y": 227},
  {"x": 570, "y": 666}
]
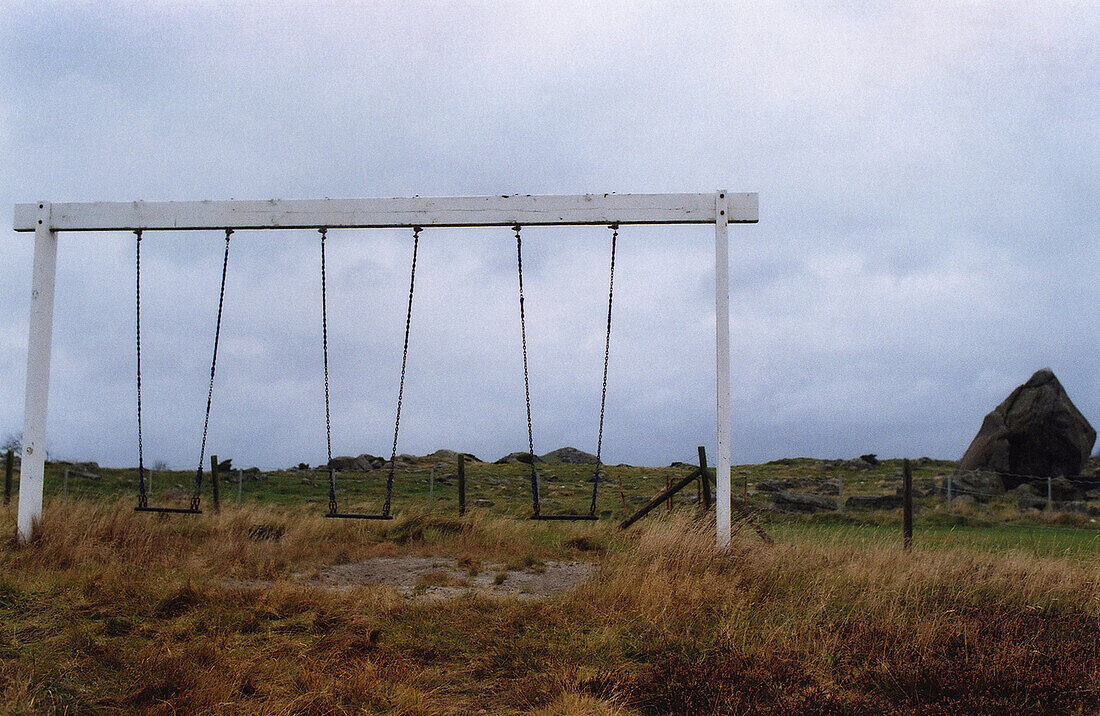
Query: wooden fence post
[
  {"x": 461, "y": 484},
  {"x": 907, "y": 518},
  {"x": 215, "y": 487},
  {"x": 703, "y": 479},
  {"x": 9, "y": 464}
]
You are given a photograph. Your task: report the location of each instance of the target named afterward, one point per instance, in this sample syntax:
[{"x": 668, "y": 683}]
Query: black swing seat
[
  {"x": 357, "y": 516},
  {"x": 169, "y": 510},
  {"x": 564, "y": 517}
]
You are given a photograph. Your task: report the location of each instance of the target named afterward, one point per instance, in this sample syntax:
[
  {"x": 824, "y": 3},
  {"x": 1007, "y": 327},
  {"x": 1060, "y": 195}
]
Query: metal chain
[
  {"x": 606, "y": 355},
  {"x": 526, "y": 379},
  {"x": 401, "y": 385},
  {"x": 143, "y": 498},
  {"x": 332, "y": 506},
  {"x": 196, "y": 495}
]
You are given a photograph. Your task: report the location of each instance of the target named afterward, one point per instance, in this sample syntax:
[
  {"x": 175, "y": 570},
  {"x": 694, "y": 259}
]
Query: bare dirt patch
[{"x": 430, "y": 578}]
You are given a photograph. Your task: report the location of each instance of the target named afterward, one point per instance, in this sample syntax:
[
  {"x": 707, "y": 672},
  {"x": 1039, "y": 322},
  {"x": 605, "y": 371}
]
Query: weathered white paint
[
  {"x": 722, "y": 353},
  {"x": 526, "y": 210},
  {"x": 38, "y": 373},
  {"x": 46, "y": 220}
]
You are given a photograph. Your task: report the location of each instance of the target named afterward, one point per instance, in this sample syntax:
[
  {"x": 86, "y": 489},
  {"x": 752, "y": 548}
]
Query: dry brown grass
[
  {"x": 802, "y": 627},
  {"x": 115, "y": 612}
]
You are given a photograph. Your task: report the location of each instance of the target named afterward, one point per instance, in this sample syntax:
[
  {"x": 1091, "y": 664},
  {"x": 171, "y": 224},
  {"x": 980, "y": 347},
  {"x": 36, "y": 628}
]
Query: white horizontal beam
[{"x": 523, "y": 209}]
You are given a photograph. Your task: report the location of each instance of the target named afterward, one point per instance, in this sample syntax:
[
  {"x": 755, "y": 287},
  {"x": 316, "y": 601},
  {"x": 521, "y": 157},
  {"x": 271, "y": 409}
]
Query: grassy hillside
[{"x": 112, "y": 611}]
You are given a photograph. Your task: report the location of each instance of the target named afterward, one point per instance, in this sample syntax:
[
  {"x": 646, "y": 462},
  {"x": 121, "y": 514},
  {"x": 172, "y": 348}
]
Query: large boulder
[
  {"x": 569, "y": 456},
  {"x": 1036, "y": 431}
]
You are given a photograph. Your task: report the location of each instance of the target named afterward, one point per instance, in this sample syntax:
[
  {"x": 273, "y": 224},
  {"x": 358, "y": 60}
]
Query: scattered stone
[
  {"x": 925, "y": 487},
  {"x": 788, "y": 483},
  {"x": 857, "y": 465},
  {"x": 1028, "y": 502},
  {"x": 802, "y": 502},
  {"x": 982, "y": 486},
  {"x": 874, "y": 502},
  {"x": 1036, "y": 431},
  {"x": 829, "y": 487},
  {"x": 1025, "y": 488},
  {"x": 870, "y": 459}
]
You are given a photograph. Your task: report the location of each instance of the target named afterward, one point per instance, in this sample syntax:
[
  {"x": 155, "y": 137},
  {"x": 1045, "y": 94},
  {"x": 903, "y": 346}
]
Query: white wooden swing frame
[{"x": 46, "y": 220}]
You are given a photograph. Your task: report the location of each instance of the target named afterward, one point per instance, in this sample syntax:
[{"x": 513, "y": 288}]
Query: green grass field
[{"x": 995, "y": 527}]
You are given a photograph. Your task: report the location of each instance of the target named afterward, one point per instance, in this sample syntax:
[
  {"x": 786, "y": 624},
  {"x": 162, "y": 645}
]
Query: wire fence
[
  {"x": 984, "y": 493},
  {"x": 953, "y": 484}
]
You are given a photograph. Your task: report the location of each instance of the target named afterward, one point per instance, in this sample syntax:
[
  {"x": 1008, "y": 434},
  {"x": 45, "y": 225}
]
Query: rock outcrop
[
  {"x": 569, "y": 456},
  {"x": 1036, "y": 431},
  {"x": 346, "y": 463},
  {"x": 515, "y": 458}
]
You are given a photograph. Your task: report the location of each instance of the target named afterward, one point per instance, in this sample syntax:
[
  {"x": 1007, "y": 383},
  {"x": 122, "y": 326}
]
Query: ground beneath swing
[{"x": 435, "y": 578}]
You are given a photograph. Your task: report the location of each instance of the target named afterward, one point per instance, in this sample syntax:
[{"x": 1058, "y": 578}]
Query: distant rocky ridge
[{"x": 367, "y": 462}]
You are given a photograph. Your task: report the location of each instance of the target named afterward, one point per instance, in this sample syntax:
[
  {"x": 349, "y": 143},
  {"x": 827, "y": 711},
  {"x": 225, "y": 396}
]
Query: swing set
[{"x": 516, "y": 211}]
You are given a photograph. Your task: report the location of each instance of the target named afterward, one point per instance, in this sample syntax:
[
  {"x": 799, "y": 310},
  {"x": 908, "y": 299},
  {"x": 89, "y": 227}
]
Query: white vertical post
[
  {"x": 722, "y": 387},
  {"x": 38, "y": 374}
]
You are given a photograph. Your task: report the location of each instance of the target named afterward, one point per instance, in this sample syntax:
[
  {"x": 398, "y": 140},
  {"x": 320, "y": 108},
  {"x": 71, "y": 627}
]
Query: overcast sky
[{"x": 928, "y": 178}]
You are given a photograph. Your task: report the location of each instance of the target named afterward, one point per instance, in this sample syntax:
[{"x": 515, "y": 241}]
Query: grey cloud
[{"x": 927, "y": 230}]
